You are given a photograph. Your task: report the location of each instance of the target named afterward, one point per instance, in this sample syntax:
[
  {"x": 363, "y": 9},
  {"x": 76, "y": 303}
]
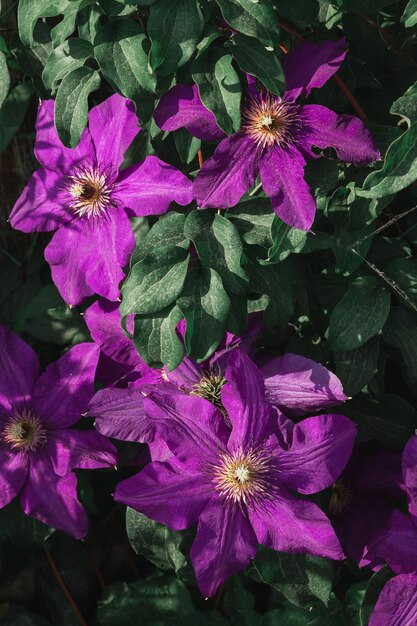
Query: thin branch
[{"x": 64, "y": 588}]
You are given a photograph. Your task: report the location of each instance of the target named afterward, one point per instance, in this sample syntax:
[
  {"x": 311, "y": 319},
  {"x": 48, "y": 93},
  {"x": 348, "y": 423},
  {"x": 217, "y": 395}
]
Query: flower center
[
  {"x": 341, "y": 497},
  {"x": 269, "y": 120},
  {"x": 90, "y": 192},
  {"x": 24, "y": 431},
  {"x": 242, "y": 476},
  {"x": 210, "y": 388}
]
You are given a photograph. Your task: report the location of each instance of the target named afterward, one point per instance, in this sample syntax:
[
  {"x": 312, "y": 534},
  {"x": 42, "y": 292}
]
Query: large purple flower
[
  {"x": 38, "y": 450},
  {"x": 234, "y": 474},
  {"x": 276, "y": 136},
  {"x": 361, "y": 501},
  {"x": 397, "y": 603},
  {"x": 82, "y": 193},
  {"x": 293, "y": 384}
]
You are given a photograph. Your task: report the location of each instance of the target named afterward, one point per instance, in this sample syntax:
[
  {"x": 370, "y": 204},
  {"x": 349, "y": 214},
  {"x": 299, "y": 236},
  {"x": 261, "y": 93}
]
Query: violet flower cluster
[{"x": 228, "y": 451}]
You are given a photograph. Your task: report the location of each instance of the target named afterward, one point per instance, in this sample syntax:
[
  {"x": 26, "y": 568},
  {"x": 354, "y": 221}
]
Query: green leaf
[
  {"x": 66, "y": 26},
  {"x": 356, "y": 368},
  {"x": 29, "y": 11},
  {"x": 118, "y": 7},
  {"x": 299, "y": 577},
  {"x": 121, "y": 51},
  {"x": 286, "y": 240},
  {"x": 174, "y": 27},
  {"x": 13, "y": 112},
  {"x": 253, "y": 218},
  {"x": 376, "y": 583},
  {"x": 409, "y": 17},
  {"x": 68, "y": 56},
  {"x": 205, "y": 306},
  {"x": 156, "y": 599},
  {"x": 71, "y": 105},
  {"x": 391, "y": 420},
  {"x": 399, "y": 169},
  {"x": 21, "y": 529},
  {"x": 155, "y": 282},
  {"x": 157, "y": 543},
  {"x": 275, "y": 282},
  {"x": 403, "y": 272},
  {"x": 257, "y": 60},
  {"x": 186, "y": 145},
  {"x": 156, "y": 338},
  {"x": 218, "y": 246},
  {"x": 302, "y": 11},
  {"x": 406, "y": 105},
  {"x": 4, "y": 78},
  {"x": 219, "y": 87},
  {"x": 400, "y": 331},
  {"x": 359, "y": 316},
  {"x": 168, "y": 230},
  {"x": 256, "y": 19}
]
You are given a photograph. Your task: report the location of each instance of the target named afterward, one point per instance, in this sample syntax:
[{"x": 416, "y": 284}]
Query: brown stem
[
  {"x": 200, "y": 158},
  {"x": 349, "y": 95},
  {"x": 95, "y": 566},
  {"x": 65, "y": 588}
]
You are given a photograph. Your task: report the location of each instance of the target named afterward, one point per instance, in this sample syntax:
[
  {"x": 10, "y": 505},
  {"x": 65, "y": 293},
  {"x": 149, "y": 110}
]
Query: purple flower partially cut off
[
  {"x": 293, "y": 384},
  {"x": 276, "y": 136},
  {"x": 239, "y": 474},
  {"x": 363, "y": 497},
  {"x": 38, "y": 449},
  {"x": 396, "y": 543},
  {"x": 397, "y": 603},
  {"x": 82, "y": 194}
]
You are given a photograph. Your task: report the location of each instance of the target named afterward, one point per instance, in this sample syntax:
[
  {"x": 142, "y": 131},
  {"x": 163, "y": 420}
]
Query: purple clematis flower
[
  {"x": 293, "y": 384},
  {"x": 234, "y": 474},
  {"x": 82, "y": 193},
  {"x": 276, "y": 136},
  {"x": 361, "y": 500},
  {"x": 397, "y": 603},
  {"x": 38, "y": 450},
  {"x": 396, "y": 543}
]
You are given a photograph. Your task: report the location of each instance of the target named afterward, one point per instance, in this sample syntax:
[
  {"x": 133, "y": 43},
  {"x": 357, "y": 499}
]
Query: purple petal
[
  {"x": 119, "y": 413},
  {"x": 347, "y": 134},
  {"x": 396, "y": 545},
  {"x": 53, "y": 499},
  {"x": 321, "y": 447},
  {"x": 63, "y": 391},
  {"x": 311, "y": 65},
  {"x": 50, "y": 151},
  {"x": 19, "y": 368},
  {"x": 243, "y": 397},
  {"x": 113, "y": 126},
  {"x": 397, "y": 603},
  {"x": 150, "y": 187},
  {"x": 181, "y": 107},
  {"x": 186, "y": 375},
  {"x": 14, "y": 470},
  {"x": 230, "y": 172},
  {"x": 193, "y": 428},
  {"x": 298, "y": 385},
  {"x": 167, "y": 494},
  {"x": 224, "y": 545},
  {"x": 87, "y": 257},
  {"x": 297, "y": 526},
  {"x": 410, "y": 473},
  {"x": 105, "y": 326},
  {"x": 375, "y": 469},
  {"x": 282, "y": 176},
  {"x": 79, "y": 449},
  {"x": 363, "y": 518},
  {"x": 42, "y": 204}
]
